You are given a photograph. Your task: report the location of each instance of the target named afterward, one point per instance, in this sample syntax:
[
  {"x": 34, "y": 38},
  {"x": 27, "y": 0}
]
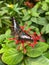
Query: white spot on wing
[
  {"x": 24, "y": 36},
  {"x": 14, "y": 25}
]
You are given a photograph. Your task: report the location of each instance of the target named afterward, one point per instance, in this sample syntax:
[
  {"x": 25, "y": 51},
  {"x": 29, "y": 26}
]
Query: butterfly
[{"x": 18, "y": 32}]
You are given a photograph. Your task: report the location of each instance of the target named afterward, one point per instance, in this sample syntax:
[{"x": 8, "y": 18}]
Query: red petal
[
  {"x": 22, "y": 27},
  {"x": 12, "y": 38},
  {"x": 22, "y": 41},
  {"x": 35, "y": 33},
  {"x": 38, "y": 37},
  {"x": 32, "y": 45},
  {"x": 17, "y": 41}
]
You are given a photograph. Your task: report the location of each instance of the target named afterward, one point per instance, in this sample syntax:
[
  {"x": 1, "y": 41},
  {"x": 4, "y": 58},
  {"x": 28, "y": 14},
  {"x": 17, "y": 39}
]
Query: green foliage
[
  {"x": 37, "y": 50},
  {"x": 38, "y": 61},
  {"x": 36, "y": 19},
  {"x": 1, "y": 63},
  {"x": 47, "y": 28},
  {"x": 39, "y": 20},
  {"x": 8, "y": 33},
  {"x": 47, "y": 1},
  {"x": 44, "y": 6},
  {"x": 46, "y": 54},
  {"x": 2, "y": 37},
  {"x": 12, "y": 57}
]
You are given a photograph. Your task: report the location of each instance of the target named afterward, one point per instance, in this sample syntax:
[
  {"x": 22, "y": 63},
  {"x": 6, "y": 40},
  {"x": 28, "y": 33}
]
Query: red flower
[
  {"x": 26, "y": 31},
  {"x": 22, "y": 42},
  {"x": 22, "y": 27},
  {"x": 30, "y": 5},
  {"x": 38, "y": 37},
  {"x": 34, "y": 33},
  {"x": 12, "y": 38},
  {"x": 17, "y": 41},
  {"x": 32, "y": 45},
  {"x": 33, "y": 37}
]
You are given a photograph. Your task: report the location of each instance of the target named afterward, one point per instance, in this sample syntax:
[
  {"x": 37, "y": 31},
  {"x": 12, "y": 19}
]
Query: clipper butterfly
[{"x": 18, "y": 32}]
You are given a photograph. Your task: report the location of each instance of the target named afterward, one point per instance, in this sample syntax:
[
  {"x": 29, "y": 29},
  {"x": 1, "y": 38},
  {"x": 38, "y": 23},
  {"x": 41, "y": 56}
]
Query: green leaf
[
  {"x": 47, "y": 13},
  {"x": 47, "y": 28},
  {"x": 20, "y": 2},
  {"x": 2, "y": 37},
  {"x": 44, "y": 6},
  {"x": 1, "y": 63},
  {"x": 16, "y": 5},
  {"x": 37, "y": 61},
  {"x": 17, "y": 9},
  {"x": 1, "y": 2},
  {"x": 48, "y": 41},
  {"x": 7, "y": 34},
  {"x": 43, "y": 29},
  {"x": 22, "y": 63},
  {"x": 35, "y": 9},
  {"x": 29, "y": 23},
  {"x": 46, "y": 54},
  {"x": 24, "y": 11},
  {"x": 0, "y": 23},
  {"x": 12, "y": 57},
  {"x": 37, "y": 50},
  {"x": 39, "y": 20},
  {"x": 47, "y": 1},
  {"x": 2, "y": 50},
  {"x": 34, "y": 13},
  {"x": 47, "y": 17},
  {"x": 2, "y": 13},
  {"x": 26, "y": 17}
]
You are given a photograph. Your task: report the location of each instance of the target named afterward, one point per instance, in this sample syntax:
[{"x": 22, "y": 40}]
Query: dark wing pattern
[{"x": 21, "y": 34}]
